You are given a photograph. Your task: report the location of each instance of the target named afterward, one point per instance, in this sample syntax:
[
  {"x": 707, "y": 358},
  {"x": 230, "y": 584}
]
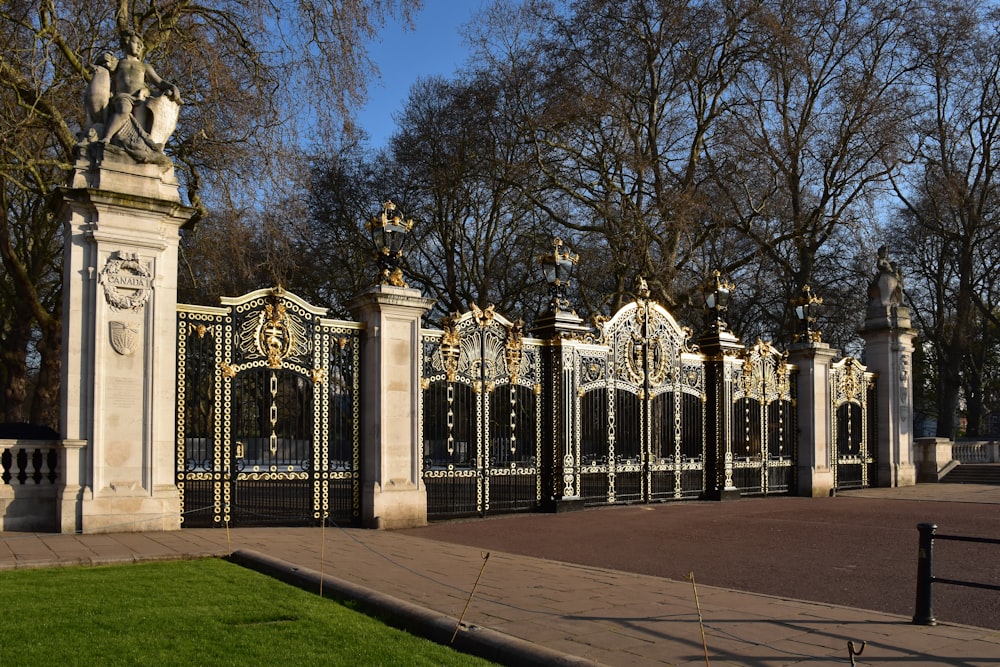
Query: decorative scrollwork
[
  {"x": 514, "y": 350},
  {"x": 450, "y": 348},
  {"x": 273, "y": 333},
  {"x": 849, "y": 380},
  {"x": 483, "y": 317}
]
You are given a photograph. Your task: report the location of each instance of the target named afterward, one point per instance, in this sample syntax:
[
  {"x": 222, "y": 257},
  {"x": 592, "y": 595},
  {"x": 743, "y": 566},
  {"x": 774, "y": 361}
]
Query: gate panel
[
  {"x": 594, "y": 429},
  {"x": 642, "y": 410},
  {"x": 514, "y": 449},
  {"x": 853, "y": 391},
  {"x": 481, "y": 417},
  {"x": 199, "y": 457},
  {"x": 763, "y": 434},
  {"x": 272, "y": 433},
  {"x": 280, "y": 443},
  {"x": 449, "y": 469}
]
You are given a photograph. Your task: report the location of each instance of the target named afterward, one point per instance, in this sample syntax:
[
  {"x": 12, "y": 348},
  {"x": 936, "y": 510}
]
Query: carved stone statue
[
  {"x": 886, "y": 288},
  {"x": 122, "y": 112}
]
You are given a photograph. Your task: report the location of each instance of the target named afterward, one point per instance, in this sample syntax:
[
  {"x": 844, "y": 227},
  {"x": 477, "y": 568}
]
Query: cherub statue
[{"x": 121, "y": 110}]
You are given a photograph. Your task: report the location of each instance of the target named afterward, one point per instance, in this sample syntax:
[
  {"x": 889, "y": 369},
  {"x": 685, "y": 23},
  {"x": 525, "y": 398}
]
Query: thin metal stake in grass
[
  {"x": 322, "y": 552},
  {"x": 701, "y": 623},
  {"x": 469, "y": 601},
  {"x": 229, "y": 540}
]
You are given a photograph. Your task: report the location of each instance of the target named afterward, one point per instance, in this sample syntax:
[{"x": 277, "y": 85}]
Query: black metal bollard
[{"x": 924, "y": 614}]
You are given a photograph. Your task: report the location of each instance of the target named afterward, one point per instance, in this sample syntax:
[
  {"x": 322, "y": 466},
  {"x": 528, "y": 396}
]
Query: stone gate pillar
[
  {"x": 122, "y": 220},
  {"x": 815, "y": 472},
  {"x": 889, "y": 352},
  {"x": 392, "y": 489}
]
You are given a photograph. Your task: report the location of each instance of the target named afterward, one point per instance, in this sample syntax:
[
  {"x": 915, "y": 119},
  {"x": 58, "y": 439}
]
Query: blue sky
[{"x": 434, "y": 47}]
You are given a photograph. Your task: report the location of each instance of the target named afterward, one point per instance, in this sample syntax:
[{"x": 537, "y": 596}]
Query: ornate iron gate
[
  {"x": 481, "y": 417},
  {"x": 641, "y": 410},
  {"x": 854, "y": 422},
  {"x": 267, "y": 413},
  {"x": 762, "y": 438}
]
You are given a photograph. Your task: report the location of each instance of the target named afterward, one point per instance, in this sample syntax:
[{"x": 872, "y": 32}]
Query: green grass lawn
[{"x": 202, "y": 612}]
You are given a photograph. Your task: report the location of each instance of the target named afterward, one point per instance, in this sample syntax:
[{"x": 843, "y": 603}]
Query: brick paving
[{"x": 600, "y": 612}]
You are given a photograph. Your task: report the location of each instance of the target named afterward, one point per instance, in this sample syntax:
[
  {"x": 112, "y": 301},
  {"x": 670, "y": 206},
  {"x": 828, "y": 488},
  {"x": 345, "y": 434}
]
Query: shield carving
[{"x": 124, "y": 338}]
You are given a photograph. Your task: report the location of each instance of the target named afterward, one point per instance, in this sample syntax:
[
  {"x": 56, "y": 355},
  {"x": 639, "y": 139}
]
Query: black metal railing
[{"x": 924, "y": 614}]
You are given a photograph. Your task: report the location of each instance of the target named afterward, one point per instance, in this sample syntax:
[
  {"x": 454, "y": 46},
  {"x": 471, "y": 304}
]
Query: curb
[{"x": 439, "y": 628}]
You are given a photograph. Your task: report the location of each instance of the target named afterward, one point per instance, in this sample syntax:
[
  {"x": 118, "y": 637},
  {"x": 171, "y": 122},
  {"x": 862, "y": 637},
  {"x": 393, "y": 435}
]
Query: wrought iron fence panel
[
  {"x": 641, "y": 431},
  {"x": 855, "y": 440},
  {"x": 595, "y": 426},
  {"x": 481, "y": 416},
  {"x": 762, "y": 431},
  {"x": 267, "y": 428},
  {"x": 200, "y": 467}
]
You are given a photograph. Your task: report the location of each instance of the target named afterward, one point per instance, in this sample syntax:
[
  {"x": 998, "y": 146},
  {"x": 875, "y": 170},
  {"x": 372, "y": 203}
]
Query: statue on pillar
[
  {"x": 122, "y": 111},
  {"x": 886, "y": 288},
  {"x": 885, "y": 295}
]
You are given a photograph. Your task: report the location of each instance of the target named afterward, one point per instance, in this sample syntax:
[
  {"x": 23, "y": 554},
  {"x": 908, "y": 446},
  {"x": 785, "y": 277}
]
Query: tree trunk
[
  {"x": 14, "y": 358},
  {"x": 45, "y": 401}
]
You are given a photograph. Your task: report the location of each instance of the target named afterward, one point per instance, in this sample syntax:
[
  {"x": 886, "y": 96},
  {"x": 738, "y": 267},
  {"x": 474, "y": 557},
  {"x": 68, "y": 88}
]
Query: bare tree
[
  {"x": 814, "y": 131},
  {"x": 951, "y": 194},
  {"x": 459, "y": 156},
  {"x": 620, "y": 111}
]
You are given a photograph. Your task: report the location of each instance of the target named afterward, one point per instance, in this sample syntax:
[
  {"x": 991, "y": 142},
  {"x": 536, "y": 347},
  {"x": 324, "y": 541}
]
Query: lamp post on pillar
[
  {"x": 389, "y": 232},
  {"x": 718, "y": 344},
  {"x": 813, "y": 359},
  {"x": 393, "y": 493},
  {"x": 562, "y": 328},
  {"x": 806, "y": 307}
]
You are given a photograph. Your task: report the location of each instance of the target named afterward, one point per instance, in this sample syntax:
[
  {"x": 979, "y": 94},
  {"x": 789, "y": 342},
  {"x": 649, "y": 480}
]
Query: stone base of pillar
[
  {"x": 128, "y": 510},
  {"x": 394, "y": 506},
  {"x": 722, "y": 494},
  {"x": 561, "y": 505},
  {"x": 815, "y": 482},
  {"x": 933, "y": 458},
  {"x": 900, "y": 474},
  {"x": 70, "y": 504},
  {"x": 27, "y": 507}
]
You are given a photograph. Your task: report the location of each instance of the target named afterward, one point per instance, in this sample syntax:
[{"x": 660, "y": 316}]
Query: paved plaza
[{"x": 605, "y": 611}]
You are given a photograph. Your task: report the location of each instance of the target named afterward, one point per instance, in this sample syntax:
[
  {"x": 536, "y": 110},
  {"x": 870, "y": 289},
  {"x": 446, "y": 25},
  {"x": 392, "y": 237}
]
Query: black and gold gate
[
  {"x": 481, "y": 416},
  {"x": 852, "y": 389},
  {"x": 763, "y": 429},
  {"x": 641, "y": 410},
  {"x": 267, "y": 413}
]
